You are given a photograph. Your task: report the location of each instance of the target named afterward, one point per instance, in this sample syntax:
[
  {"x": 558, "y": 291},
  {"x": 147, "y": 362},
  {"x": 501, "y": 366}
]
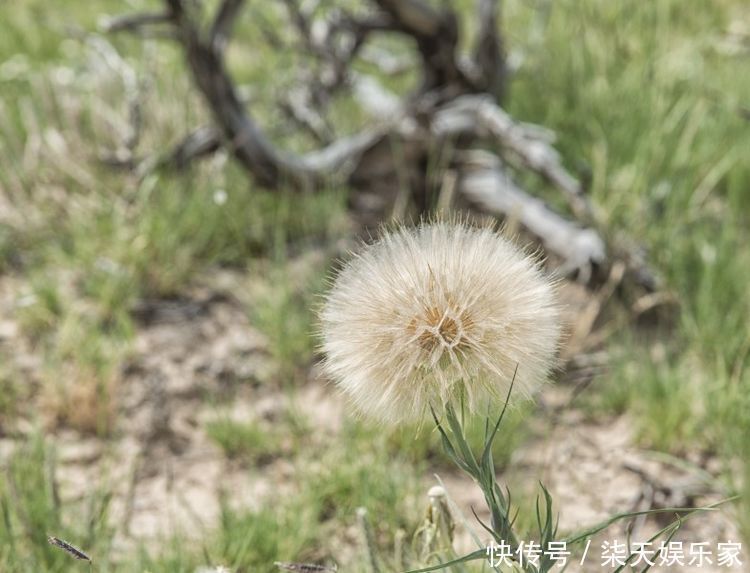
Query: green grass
[
  {"x": 307, "y": 522},
  {"x": 10, "y": 395},
  {"x": 285, "y": 297},
  {"x": 641, "y": 92},
  {"x": 244, "y": 440},
  {"x": 646, "y": 107},
  {"x": 31, "y": 510}
]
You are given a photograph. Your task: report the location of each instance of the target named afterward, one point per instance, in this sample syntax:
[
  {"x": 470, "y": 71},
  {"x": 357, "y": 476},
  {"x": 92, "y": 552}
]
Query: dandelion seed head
[{"x": 445, "y": 310}]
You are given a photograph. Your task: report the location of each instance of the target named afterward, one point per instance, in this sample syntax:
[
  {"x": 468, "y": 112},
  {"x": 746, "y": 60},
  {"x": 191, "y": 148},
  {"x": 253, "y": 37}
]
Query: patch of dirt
[{"x": 192, "y": 358}]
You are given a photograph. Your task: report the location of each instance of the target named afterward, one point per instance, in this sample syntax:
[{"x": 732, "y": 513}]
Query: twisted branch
[{"x": 456, "y": 105}]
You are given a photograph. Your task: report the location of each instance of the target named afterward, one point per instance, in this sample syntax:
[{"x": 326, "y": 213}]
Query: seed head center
[{"x": 441, "y": 329}]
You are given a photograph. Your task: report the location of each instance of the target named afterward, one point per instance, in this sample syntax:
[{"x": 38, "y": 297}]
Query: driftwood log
[{"x": 456, "y": 107}]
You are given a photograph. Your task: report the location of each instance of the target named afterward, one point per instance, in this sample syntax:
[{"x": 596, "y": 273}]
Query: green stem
[{"x": 482, "y": 472}]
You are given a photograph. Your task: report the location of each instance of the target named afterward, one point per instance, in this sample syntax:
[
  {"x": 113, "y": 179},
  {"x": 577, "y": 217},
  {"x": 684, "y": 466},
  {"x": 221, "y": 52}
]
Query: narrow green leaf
[
  {"x": 687, "y": 512},
  {"x": 488, "y": 443},
  {"x": 476, "y": 555},
  {"x": 463, "y": 446}
]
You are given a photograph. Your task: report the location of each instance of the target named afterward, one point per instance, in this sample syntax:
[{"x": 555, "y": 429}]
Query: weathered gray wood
[
  {"x": 487, "y": 183},
  {"x": 480, "y": 116}
]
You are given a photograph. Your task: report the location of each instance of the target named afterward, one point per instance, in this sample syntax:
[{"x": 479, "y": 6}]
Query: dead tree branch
[
  {"x": 436, "y": 35},
  {"x": 479, "y": 116},
  {"x": 245, "y": 139},
  {"x": 488, "y": 51},
  {"x": 200, "y": 142},
  {"x": 455, "y": 108},
  {"x": 484, "y": 181},
  {"x": 134, "y": 22},
  {"x": 221, "y": 28}
]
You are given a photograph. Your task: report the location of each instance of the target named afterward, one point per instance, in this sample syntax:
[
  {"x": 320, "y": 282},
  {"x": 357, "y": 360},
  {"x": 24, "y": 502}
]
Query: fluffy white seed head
[{"x": 430, "y": 314}]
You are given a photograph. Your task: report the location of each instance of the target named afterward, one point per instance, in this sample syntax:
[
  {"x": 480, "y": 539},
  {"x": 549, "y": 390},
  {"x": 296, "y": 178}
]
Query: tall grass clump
[{"x": 32, "y": 510}]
